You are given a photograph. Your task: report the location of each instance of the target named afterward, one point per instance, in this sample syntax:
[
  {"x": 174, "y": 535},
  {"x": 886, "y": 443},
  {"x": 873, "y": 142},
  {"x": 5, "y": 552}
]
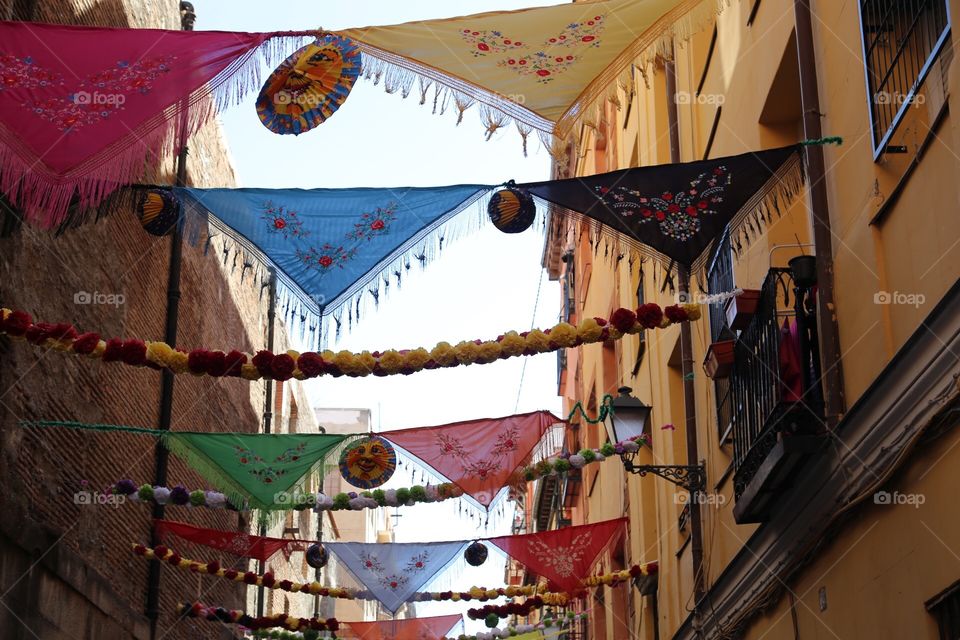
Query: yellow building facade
[{"x": 843, "y": 527}]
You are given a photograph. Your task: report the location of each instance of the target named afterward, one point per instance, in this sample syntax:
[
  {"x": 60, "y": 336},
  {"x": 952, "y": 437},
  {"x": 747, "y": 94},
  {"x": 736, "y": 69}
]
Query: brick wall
[{"x": 67, "y": 569}]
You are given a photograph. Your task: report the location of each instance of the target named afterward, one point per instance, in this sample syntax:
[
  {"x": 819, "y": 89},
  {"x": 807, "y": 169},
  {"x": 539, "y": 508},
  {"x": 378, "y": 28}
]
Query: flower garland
[
  {"x": 164, "y": 554},
  {"x": 491, "y": 613},
  {"x": 234, "y": 616},
  {"x": 519, "y": 629},
  {"x": 302, "y": 366},
  {"x": 565, "y": 462},
  {"x": 617, "y": 578},
  {"x": 351, "y": 501},
  {"x": 286, "y": 635}
]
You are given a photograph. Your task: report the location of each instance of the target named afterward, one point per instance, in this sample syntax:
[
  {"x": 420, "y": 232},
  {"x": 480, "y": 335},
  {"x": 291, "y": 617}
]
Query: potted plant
[
  {"x": 719, "y": 360},
  {"x": 741, "y": 309}
]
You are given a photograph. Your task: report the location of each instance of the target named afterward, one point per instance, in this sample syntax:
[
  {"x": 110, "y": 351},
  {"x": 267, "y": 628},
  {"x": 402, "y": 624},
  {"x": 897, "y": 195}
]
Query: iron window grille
[{"x": 902, "y": 41}]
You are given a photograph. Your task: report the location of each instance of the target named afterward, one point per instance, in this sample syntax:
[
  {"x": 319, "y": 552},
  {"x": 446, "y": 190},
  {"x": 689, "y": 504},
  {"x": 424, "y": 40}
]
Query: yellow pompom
[
  {"x": 443, "y": 354},
  {"x": 589, "y": 330},
  {"x": 693, "y": 311},
  {"x": 512, "y": 344},
  {"x": 416, "y": 359},
  {"x": 391, "y": 361},
  {"x": 564, "y": 334},
  {"x": 538, "y": 341}
]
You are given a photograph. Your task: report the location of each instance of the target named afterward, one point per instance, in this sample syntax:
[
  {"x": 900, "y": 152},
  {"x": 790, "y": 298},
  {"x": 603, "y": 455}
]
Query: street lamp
[{"x": 627, "y": 420}]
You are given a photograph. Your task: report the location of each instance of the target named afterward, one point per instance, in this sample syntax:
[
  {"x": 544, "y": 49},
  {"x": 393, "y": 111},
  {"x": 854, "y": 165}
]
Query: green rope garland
[
  {"x": 837, "y": 140},
  {"x": 106, "y": 428},
  {"x": 606, "y": 410}
]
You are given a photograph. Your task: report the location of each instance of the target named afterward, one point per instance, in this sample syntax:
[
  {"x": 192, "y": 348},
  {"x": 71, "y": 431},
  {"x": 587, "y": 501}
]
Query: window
[
  {"x": 945, "y": 607},
  {"x": 902, "y": 41},
  {"x": 569, "y": 288},
  {"x": 720, "y": 279},
  {"x": 642, "y": 347}
]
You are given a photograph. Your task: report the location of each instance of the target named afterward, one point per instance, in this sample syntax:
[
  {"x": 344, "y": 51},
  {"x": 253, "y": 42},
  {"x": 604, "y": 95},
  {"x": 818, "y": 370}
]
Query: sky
[{"x": 484, "y": 284}]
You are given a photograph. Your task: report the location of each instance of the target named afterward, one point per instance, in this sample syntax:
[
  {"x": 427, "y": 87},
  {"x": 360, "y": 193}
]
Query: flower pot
[
  {"x": 719, "y": 360},
  {"x": 740, "y": 310},
  {"x": 804, "y": 271}
]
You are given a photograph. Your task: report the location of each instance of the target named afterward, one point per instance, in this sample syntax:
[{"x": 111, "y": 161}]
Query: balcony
[{"x": 773, "y": 398}]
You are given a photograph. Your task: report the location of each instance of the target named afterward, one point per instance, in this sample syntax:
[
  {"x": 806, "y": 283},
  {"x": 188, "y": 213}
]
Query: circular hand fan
[
  {"x": 158, "y": 211},
  {"x": 368, "y": 462},
  {"x": 309, "y": 86},
  {"x": 512, "y": 210}
]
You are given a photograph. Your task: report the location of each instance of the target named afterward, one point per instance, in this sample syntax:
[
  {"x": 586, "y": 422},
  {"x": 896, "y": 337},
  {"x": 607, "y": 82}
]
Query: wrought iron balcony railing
[{"x": 774, "y": 386}]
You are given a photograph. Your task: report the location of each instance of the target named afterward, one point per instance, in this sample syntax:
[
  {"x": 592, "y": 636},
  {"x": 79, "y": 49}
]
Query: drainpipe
[
  {"x": 268, "y": 405},
  {"x": 686, "y": 360},
  {"x": 832, "y": 381},
  {"x": 187, "y": 18}
]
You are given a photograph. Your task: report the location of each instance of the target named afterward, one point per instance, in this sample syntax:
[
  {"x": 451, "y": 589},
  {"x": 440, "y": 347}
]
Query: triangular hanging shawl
[
  {"x": 479, "y": 456},
  {"x": 253, "y": 467},
  {"x": 679, "y": 209},
  {"x": 564, "y": 556},
  {"x": 432, "y": 628},
  {"x": 547, "y": 68},
  {"x": 394, "y": 572},
  {"x": 327, "y": 244},
  {"x": 239, "y": 543},
  {"x": 86, "y": 109}
]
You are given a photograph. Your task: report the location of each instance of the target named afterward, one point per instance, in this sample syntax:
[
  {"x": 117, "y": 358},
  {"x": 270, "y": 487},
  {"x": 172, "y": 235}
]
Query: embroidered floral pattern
[
  {"x": 261, "y": 469},
  {"x": 560, "y": 559},
  {"x": 282, "y": 221},
  {"x": 23, "y": 74},
  {"x": 394, "y": 580},
  {"x": 546, "y": 63},
  {"x": 450, "y": 446},
  {"x": 678, "y": 214},
  {"x": 96, "y": 98},
  {"x": 484, "y": 42},
  {"x": 540, "y": 64},
  {"x": 374, "y": 224},
  {"x": 327, "y": 255},
  {"x": 506, "y": 442},
  {"x": 578, "y": 33}
]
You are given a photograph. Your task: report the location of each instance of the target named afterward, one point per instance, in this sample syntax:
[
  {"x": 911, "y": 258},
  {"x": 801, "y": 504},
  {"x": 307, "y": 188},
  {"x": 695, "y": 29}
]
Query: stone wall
[{"x": 66, "y": 568}]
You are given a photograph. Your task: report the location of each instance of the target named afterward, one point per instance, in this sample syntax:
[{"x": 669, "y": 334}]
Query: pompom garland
[
  {"x": 302, "y": 366},
  {"x": 563, "y": 464},
  {"x": 520, "y": 629},
  {"x": 234, "y": 616},
  {"x": 165, "y": 554},
  {"x": 318, "y": 501},
  {"x": 492, "y": 612}
]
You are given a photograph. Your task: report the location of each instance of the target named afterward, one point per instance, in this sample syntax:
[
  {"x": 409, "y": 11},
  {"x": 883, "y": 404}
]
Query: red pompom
[
  {"x": 174, "y": 558},
  {"x": 140, "y": 550},
  {"x": 134, "y": 352},
  {"x": 250, "y": 577},
  {"x": 649, "y": 315},
  {"x": 262, "y": 362},
  {"x": 310, "y": 364},
  {"x": 268, "y": 579},
  {"x": 234, "y": 360},
  {"x": 282, "y": 367},
  {"x": 230, "y": 574},
  {"x": 676, "y": 313},
  {"x": 160, "y": 550},
  {"x": 17, "y": 323},
  {"x": 197, "y": 361},
  {"x": 86, "y": 343},
  {"x": 114, "y": 350},
  {"x": 286, "y": 585},
  {"x": 216, "y": 363},
  {"x": 623, "y": 320},
  {"x": 333, "y": 624}
]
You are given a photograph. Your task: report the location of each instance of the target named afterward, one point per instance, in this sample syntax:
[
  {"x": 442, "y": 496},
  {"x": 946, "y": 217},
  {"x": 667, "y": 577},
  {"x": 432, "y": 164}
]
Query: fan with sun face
[
  {"x": 368, "y": 463},
  {"x": 309, "y": 86}
]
